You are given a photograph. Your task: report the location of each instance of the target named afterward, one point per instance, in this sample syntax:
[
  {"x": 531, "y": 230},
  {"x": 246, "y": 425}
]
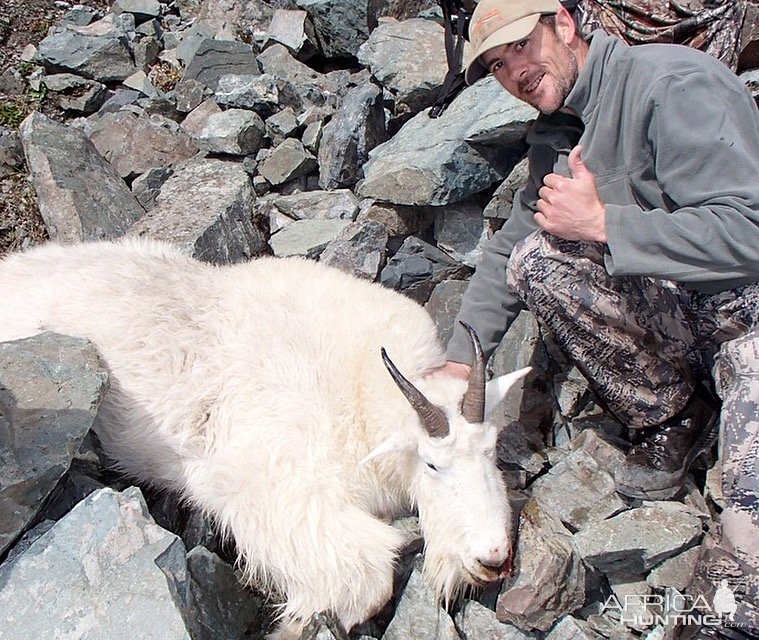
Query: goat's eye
[{"x": 432, "y": 467}]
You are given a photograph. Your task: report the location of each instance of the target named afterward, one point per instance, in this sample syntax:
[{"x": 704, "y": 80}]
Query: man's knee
[{"x": 544, "y": 261}]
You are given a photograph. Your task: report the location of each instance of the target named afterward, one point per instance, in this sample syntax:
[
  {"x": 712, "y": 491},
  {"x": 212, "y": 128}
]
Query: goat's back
[{"x": 183, "y": 338}]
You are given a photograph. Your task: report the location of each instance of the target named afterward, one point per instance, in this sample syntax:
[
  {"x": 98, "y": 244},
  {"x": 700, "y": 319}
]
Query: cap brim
[{"x": 505, "y": 35}]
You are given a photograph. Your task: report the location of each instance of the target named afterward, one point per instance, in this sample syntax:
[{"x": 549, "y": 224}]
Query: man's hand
[{"x": 570, "y": 207}]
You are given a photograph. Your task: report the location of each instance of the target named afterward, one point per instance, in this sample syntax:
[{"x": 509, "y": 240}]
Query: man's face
[{"x": 539, "y": 70}]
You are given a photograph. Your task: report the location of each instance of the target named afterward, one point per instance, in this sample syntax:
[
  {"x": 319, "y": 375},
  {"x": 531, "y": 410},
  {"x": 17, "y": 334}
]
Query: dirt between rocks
[{"x": 23, "y": 22}]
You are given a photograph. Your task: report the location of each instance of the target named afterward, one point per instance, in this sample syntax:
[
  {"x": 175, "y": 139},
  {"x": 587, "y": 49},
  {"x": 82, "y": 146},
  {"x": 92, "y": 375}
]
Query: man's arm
[
  {"x": 488, "y": 306},
  {"x": 704, "y": 132}
]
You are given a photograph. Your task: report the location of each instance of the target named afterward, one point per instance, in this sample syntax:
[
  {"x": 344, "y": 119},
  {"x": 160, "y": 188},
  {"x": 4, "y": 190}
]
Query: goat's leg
[{"x": 323, "y": 556}]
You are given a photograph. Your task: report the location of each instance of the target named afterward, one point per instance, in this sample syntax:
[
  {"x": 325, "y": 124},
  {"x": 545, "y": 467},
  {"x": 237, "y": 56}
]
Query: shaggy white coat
[{"x": 257, "y": 391}]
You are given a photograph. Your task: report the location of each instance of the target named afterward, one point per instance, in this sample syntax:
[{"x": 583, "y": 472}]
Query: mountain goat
[{"x": 259, "y": 392}]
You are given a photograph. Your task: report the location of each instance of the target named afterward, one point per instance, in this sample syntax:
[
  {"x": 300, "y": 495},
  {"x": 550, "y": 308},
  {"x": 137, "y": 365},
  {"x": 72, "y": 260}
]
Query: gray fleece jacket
[{"x": 672, "y": 137}]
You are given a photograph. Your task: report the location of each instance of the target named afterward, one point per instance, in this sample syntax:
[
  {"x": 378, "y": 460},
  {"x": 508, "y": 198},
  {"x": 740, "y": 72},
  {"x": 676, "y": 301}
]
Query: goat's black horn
[
  {"x": 432, "y": 417},
  {"x": 473, "y": 404}
]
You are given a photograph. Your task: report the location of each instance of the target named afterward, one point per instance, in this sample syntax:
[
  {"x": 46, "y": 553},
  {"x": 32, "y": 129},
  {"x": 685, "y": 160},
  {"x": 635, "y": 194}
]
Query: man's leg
[
  {"x": 632, "y": 337},
  {"x": 737, "y": 374},
  {"x": 731, "y": 549}
]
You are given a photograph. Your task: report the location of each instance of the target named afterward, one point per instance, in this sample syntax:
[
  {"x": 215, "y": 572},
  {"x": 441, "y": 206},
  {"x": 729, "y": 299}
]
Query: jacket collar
[{"x": 585, "y": 94}]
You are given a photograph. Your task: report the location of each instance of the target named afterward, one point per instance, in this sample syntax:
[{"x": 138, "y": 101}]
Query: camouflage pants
[{"x": 644, "y": 343}]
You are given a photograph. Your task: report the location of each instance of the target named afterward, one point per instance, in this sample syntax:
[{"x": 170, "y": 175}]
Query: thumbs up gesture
[{"x": 570, "y": 207}]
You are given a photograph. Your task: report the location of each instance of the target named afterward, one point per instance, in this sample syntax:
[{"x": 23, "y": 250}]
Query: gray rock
[
  {"x": 460, "y": 231},
  {"x": 50, "y": 390},
  {"x": 134, "y": 142},
  {"x": 503, "y": 197},
  {"x": 419, "y": 615},
  {"x": 359, "y": 249},
  {"x": 11, "y": 152},
  {"x": 120, "y": 98},
  {"x": 399, "y": 9},
  {"x": 142, "y": 10},
  {"x": 578, "y": 491},
  {"x": 417, "y": 267},
  {"x": 312, "y": 136},
  {"x": 347, "y": 139},
  {"x": 323, "y": 626},
  {"x": 80, "y": 195},
  {"x": 607, "y": 455},
  {"x": 147, "y": 186},
  {"x": 147, "y": 48},
  {"x": 218, "y": 605},
  {"x": 151, "y": 28},
  {"x": 281, "y": 125},
  {"x": 229, "y": 19},
  {"x": 277, "y": 61},
  {"x": 293, "y": 30},
  {"x": 190, "y": 94},
  {"x": 519, "y": 445},
  {"x": 77, "y": 94},
  {"x": 676, "y": 572},
  {"x": 400, "y": 220},
  {"x": 477, "y": 622},
  {"x": 288, "y": 161},
  {"x": 473, "y": 144},
  {"x": 139, "y": 81},
  {"x": 549, "y": 575},
  {"x": 306, "y": 237},
  {"x": 341, "y": 27},
  {"x": 570, "y": 628},
  {"x": 311, "y": 205},
  {"x": 639, "y": 539},
  {"x": 444, "y": 304},
  {"x": 99, "y": 51},
  {"x": 80, "y": 15},
  {"x": 235, "y": 132},
  {"x": 104, "y": 571},
  {"x": 198, "y": 118},
  {"x": 263, "y": 93},
  {"x": 205, "y": 207},
  {"x": 214, "y": 59},
  {"x": 12, "y": 83},
  {"x": 405, "y": 59},
  {"x": 191, "y": 39}
]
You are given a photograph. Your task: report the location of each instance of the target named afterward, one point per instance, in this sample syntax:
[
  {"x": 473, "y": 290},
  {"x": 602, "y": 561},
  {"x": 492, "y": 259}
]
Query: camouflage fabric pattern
[
  {"x": 643, "y": 343},
  {"x": 713, "y": 26},
  {"x": 630, "y": 336},
  {"x": 737, "y": 376}
]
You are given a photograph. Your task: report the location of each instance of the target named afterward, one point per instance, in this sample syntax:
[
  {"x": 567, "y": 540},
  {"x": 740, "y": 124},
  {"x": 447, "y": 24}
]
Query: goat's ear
[
  {"x": 391, "y": 445},
  {"x": 496, "y": 389}
]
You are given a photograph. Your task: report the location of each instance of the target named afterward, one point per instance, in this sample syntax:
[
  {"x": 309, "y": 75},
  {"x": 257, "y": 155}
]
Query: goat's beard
[{"x": 447, "y": 576}]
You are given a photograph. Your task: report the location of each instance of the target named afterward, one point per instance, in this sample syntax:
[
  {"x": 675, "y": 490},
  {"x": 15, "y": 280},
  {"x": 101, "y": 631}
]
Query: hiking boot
[{"x": 655, "y": 468}]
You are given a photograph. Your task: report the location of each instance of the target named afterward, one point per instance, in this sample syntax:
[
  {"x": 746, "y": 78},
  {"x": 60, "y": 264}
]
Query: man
[{"x": 635, "y": 242}]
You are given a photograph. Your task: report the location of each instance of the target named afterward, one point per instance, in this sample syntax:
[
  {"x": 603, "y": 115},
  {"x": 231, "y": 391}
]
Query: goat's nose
[{"x": 497, "y": 560}]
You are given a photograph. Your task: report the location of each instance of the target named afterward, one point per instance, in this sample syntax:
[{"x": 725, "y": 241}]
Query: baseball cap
[{"x": 497, "y": 22}]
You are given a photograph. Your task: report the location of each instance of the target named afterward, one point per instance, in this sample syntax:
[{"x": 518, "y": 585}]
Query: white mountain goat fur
[{"x": 258, "y": 391}]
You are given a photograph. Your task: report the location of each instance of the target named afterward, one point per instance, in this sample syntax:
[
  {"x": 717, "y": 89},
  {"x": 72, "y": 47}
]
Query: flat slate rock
[{"x": 50, "y": 390}]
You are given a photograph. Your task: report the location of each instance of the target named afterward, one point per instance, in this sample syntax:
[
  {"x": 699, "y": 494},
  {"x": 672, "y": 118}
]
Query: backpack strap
[{"x": 456, "y": 14}]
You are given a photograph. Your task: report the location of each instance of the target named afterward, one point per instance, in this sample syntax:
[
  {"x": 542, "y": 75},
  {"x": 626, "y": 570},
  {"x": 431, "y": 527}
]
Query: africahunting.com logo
[{"x": 644, "y": 611}]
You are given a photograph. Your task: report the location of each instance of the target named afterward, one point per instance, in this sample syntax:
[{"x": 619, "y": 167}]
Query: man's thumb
[{"x": 577, "y": 167}]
